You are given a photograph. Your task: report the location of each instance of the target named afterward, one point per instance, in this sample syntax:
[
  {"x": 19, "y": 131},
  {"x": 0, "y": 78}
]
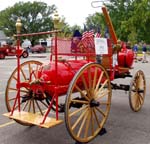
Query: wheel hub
[
  {"x": 31, "y": 95},
  {"x": 94, "y": 103}
]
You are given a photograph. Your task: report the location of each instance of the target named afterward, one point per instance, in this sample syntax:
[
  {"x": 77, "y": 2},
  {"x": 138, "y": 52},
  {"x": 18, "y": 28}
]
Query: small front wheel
[
  {"x": 137, "y": 91},
  {"x": 2, "y": 56},
  {"x": 25, "y": 54},
  {"x": 88, "y": 102}
]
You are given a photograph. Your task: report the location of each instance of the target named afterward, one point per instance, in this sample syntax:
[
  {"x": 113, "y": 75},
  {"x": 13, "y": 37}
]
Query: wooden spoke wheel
[
  {"x": 137, "y": 91},
  {"x": 88, "y": 102},
  {"x": 25, "y": 54},
  {"x": 29, "y": 101}
]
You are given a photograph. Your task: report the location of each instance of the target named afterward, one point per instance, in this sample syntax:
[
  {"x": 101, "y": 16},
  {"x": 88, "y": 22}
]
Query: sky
[{"x": 75, "y": 11}]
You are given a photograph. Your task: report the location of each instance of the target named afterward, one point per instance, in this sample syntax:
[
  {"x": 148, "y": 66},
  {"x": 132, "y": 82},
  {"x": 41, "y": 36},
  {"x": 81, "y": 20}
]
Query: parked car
[
  {"x": 8, "y": 50},
  {"x": 38, "y": 49}
]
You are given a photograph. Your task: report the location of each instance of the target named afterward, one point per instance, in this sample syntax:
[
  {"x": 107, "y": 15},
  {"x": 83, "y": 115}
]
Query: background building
[{"x": 3, "y": 38}]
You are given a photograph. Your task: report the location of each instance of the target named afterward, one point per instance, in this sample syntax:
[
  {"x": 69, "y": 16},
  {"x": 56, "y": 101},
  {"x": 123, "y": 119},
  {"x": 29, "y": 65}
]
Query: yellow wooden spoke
[
  {"x": 92, "y": 122},
  {"x": 87, "y": 125},
  {"x": 44, "y": 104},
  {"x": 15, "y": 78},
  {"x": 25, "y": 105},
  {"x": 102, "y": 86},
  {"x": 101, "y": 94},
  {"x": 95, "y": 77},
  {"x": 81, "y": 92},
  {"x": 39, "y": 107},
  {"x": 100, "y": 111},
  {"x": 89, "y": 78},
  {"x": 33, "y": 106},
  {"x": 79, "y": 119},
  {"x": 29, "y": 108},
  {"x": 36, "y": 70},
  {"x": 23, "y": 74},
  {"x": 85, "y": 85},
  {"x": 82, "y": 124},
  {"x": 137, "y": 104},
  {"x": 99, "y": 80},
  {"x": 24, "y": 91},
  {"x": 104, "y": 103},
  {"x": 29, "y": 68},
  {"x": 96, "y": 118},
  {"x": 13, "y": 89},
  {"x": 77, "y": 111},
  {"x": 141, "y": 99},
  {"x": 11, "y": 99},
  {"x": 80, "y": 101}
]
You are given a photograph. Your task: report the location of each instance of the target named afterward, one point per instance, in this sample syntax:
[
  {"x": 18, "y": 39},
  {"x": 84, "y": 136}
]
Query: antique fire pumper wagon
[{"x": 79, "y": 86}]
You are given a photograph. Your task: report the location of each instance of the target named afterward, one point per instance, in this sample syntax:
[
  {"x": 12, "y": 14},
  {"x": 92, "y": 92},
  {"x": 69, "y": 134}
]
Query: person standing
[
  {"x": 135, "y": 50},
  {"x": 77, "y": 36},
  {"x": 144, "y": 50}
]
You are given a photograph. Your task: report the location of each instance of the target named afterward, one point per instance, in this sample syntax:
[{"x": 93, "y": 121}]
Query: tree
[
  {"x": 35, "y": 17},
  {"x": 95, "y": 21},
  {"x": 131, "y": 19}
]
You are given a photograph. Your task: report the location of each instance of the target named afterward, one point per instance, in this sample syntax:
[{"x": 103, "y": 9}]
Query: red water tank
[{"x": 125, "y": 58}]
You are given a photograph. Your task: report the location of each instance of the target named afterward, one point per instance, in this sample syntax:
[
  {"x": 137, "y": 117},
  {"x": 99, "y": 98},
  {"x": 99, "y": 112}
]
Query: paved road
[{"x": 123, "y": 126}]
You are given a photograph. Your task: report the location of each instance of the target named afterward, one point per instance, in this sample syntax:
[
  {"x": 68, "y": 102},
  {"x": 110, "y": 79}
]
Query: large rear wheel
[{"x": 88, "y": 102}]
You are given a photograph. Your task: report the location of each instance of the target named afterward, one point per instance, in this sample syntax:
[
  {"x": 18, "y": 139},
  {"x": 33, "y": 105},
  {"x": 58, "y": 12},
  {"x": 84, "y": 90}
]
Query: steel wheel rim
[{"x": 91, "y": 117}]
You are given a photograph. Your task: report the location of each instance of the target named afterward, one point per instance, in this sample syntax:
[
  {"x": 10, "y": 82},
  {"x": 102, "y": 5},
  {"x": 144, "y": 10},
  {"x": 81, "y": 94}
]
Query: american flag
[
  {"x": 98, "y": 34},
  {"x": 91, "y": 33},
  {"x": 91, "y": 38},
  {"x": 88, "y": 38},
  {"x": 84, "y": 35}
]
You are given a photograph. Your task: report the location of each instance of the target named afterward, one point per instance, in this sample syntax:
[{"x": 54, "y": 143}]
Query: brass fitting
[{"x": 18, "y": 25}]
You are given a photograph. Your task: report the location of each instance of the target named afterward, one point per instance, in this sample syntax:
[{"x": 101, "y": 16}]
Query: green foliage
[
  {"x": 35, "y": 17},
  {"x": 95, "y": 21},
  {"x": 130, "y": 19}
]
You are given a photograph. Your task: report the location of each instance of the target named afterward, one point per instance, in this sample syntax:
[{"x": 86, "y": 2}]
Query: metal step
[{"x": 34, "y": 119}]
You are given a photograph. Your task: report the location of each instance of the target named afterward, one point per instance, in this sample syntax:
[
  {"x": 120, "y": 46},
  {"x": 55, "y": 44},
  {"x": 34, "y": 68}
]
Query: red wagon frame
[{"x": 87, "y": 85}]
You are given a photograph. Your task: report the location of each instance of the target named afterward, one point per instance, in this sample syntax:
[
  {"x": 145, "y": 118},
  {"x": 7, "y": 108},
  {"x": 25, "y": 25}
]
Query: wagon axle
[
  {"x": 31, "y": 95},
  {"x": 76, "y": 104},
  {"x": 138, "y": 90},
  {"x": 120, "y": 87},
  {"x": 94, "y": 103}
]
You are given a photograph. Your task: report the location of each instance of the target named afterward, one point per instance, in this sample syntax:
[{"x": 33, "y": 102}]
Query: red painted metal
[
  {"x": 18, "y": 77},
  {"x": 125, "y": 57}
]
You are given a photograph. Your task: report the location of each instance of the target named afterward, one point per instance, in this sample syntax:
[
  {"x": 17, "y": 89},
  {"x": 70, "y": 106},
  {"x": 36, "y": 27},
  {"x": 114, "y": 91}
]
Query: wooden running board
[{"x": 34, "y": 119}]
